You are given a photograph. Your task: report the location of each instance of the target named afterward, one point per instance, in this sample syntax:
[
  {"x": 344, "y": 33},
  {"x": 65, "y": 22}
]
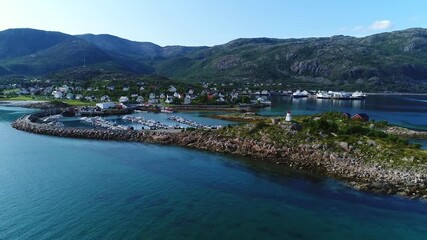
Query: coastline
[
  {"x": 352, "y": 170},
  {"x": 396, "y": 94},
  {"x": 18, "y": 103}
]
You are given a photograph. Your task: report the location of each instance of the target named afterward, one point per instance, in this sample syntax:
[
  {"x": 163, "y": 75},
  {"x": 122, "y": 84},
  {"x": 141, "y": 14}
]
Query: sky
[{"x": 213, "y": 22}]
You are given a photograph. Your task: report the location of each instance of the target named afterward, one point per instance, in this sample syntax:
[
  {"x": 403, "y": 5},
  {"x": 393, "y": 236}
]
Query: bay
[
  {"x": 403, "y": 110},
  {"x": 58, "y": 188}
]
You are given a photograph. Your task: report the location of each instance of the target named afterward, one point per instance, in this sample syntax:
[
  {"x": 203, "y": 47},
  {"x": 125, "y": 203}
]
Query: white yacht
[
  {"x": 299, "y": 94},
  {"x": 323, "y": 95},
  {"x": 358, "y": 95}
]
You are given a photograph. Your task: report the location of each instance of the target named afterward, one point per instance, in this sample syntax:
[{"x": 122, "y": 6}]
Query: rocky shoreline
[
  {"x": 312, "y": 158},
  {"x": 404, "y": 132}
]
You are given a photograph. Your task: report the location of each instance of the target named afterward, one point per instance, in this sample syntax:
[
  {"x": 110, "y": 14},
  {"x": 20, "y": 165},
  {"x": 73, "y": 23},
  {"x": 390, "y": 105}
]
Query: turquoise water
[
  {"x": 408, "y": 110},
  {"x": 56, "y": 188}
]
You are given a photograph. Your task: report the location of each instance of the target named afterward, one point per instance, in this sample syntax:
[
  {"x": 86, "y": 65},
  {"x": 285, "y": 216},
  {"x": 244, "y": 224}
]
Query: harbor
[{"x": 117, "y": 170}]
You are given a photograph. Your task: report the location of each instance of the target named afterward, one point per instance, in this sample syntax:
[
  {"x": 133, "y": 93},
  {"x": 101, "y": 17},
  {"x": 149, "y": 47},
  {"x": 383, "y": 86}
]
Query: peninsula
[{"x": 370, "y": 156}]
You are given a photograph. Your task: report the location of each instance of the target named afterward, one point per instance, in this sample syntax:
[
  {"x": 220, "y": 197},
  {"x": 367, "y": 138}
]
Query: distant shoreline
[
  {"x": 20, "y": 103},
  {"x": 397, "y": 94}
]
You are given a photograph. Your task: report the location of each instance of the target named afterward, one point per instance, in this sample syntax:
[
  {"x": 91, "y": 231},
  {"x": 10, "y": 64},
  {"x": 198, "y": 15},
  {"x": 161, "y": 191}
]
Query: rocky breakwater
[
  {"x": 399, "y": 131},
  {"x": 313, "y": 158}
]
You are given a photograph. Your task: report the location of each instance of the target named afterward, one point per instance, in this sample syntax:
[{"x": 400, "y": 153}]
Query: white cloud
[{"x": 381, "y": 25}]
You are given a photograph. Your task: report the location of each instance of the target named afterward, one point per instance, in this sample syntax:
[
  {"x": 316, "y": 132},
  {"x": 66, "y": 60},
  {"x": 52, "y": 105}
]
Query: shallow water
[{"x": 57, "y": 188}]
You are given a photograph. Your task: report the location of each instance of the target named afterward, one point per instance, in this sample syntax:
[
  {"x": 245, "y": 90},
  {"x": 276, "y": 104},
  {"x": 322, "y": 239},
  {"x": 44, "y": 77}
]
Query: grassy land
[
  {"x": 331, "y": 132},
  {"x": 71, "y": 102},
  {"x": 23, "y": 98},
  {"x": 78, "y": 102}
]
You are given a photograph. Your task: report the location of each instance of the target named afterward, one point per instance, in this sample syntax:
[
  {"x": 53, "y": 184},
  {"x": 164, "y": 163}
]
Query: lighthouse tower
[{"x": 288, "y": 117}]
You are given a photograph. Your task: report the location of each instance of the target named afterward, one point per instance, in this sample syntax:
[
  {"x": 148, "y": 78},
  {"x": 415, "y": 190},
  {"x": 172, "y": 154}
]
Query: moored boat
[
  {"x": 299, "y": 94},
  {"x": 323, "y": 95},
  {"x": 358, "y": 95},
  {"x": 166, "y": 110}
]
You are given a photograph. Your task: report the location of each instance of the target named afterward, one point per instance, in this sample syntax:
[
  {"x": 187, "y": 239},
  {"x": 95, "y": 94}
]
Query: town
[{"x": 153, "y": 92}]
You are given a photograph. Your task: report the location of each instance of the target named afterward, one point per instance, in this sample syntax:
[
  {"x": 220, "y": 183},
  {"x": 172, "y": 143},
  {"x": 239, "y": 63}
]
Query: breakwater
[{"x": 306, "y": 157}]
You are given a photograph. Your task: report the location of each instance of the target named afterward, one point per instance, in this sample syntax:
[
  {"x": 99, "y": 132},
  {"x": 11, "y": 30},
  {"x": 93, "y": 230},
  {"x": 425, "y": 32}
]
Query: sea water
[
  {"x": 403, "y": 110},
  {"x": 59, "y": 188}
]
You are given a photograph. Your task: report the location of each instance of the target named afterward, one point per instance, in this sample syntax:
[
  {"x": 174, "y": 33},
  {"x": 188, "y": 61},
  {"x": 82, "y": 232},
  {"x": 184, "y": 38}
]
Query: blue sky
[{"x": 212, "y": 22}]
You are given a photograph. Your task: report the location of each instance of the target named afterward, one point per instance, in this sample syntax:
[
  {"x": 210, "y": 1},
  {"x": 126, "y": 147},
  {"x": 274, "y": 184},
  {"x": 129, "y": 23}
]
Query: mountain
[
  {"x": 120, "y": 46},
  {"x": 139, "y": 50},
  {"x": 21, "y": 42},
  {"x": 386, "y": 61},
  {"x": 35, "y": 52}
]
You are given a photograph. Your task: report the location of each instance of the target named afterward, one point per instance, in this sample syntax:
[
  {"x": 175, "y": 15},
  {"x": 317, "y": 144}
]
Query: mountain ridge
[{"x": 390, "y": 60}]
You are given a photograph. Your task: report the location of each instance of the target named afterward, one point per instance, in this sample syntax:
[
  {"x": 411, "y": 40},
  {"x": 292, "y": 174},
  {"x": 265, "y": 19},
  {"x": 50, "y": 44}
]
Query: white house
[
  {"x": 125, "y": 89},
  {"x": 57, "y": 94},
  {"x": 69, "y": 96},
  {"x": 153, "y": 101},
  {"x": 152, "y": 96},
  {"x": 221, "y": 99},
  {"x": 171, "y": 89},
  {"x": 141, "y": 89},
  {"x": 106, "y": 105},
  {"x": 162, "y": 95},
  {"x": 140, "y": 99},
  {"x": 187, "y": 99},
  {"x": 134, "y": 95},
  {"x": 79, "y": 96},
  {"x": 191, "y": 91},
  {"x": 123, "y": 99},
  {"x": 105, "y": 98},
  {"x": 177, "y": 95},
  {"x": 90, "y": 98},
  {"x": 64, "y": 88},
  {"x": 169, "y": 99}
]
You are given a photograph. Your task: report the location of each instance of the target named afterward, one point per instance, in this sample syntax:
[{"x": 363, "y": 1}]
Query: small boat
[
  {"x": 358, "y": 95},
  {"x": 263, "y": 101},
  {"x": 166, "y": 110},
  {"x": 341, "y": 95},
  {"x": 299, "y": 94},
  {"x": 323, "y": 95}
]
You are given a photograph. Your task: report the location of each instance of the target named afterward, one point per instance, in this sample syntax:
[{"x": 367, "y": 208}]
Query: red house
[{"x": 361, "y": 116}]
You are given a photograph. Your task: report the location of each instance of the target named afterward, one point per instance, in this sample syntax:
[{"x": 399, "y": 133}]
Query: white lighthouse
[{"x": 288, "y": 117}]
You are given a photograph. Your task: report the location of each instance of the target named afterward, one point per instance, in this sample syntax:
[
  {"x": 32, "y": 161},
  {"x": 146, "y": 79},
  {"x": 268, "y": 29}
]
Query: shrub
[
  {"x": 355, "y": 130},
  {"x": 322, "y": 125}
]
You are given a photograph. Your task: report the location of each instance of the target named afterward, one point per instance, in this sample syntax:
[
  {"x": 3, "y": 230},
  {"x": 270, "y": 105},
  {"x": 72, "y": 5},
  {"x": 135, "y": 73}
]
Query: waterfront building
[{"x": 106, "y": 105}]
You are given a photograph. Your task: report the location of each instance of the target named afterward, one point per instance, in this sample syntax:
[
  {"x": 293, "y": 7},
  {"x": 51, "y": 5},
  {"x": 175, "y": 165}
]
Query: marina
[
  {"x": 150, "y": 123},
  {"x": 99, "y": 122},
  {"x": 192, "y": 123},
  {"x": 357, "y": 95}
]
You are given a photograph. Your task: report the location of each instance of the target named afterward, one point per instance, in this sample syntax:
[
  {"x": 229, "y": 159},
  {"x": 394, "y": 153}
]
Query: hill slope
[
  {"x": 396, "y": 59},
  {"x": 386, "y": 61},
  {"x": 35, "y": 52}
]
